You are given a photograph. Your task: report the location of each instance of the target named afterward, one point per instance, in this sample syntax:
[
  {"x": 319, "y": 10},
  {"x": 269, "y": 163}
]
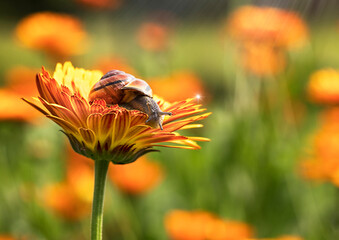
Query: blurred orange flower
[
  {"x": 330, "y": 116},
  {"x": 287, "y": 237},
  {"x": 314, "y": 169},
  {"x": 335, "y": 177},
  {"x": 323, "y": 86},
  {"x": 72, "y": 198},
  {"x": 80, "y": 175},
  {"x": 110, "y": 4},
  {"x": 200, "y": 225},
  {"x": 153, "y": 36},
  {"x": 65, "y": 202},
  {"x": 180, "y": 85},
  {"x": 228, "y": 230},
  {"x": 137, "y": 177},
  {"x": 20, "y": 82},
  {"x": 324, "y": 162},
  {"x": 6, "y": 237},
  {"x": 12, "y": 107},
  {"x": 106, "y": 64},
  {"x": 327, "y": 142},
  {"x": 42, "y": 31},
  {"x": 262, "y": 59},
  {"x": 279, "y": 27}
]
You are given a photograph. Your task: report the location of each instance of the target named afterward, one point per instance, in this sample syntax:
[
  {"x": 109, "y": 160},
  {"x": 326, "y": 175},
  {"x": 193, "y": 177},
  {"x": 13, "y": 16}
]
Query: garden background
[{"x": 268, "y": 70}]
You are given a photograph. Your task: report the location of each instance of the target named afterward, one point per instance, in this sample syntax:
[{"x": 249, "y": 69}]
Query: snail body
[{"x": 118, "y": 87}]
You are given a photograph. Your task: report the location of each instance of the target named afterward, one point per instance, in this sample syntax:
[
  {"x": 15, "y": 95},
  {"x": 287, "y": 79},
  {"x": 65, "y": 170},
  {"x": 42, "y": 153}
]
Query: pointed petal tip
[
  {"x": 199, "y": 139},
  {"x": 35, "y": 106},
  {"x": 178, "y": 146}
]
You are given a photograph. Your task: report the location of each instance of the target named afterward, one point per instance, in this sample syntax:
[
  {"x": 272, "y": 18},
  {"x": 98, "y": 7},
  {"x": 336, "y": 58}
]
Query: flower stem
[{"x": 100, "y": 169}]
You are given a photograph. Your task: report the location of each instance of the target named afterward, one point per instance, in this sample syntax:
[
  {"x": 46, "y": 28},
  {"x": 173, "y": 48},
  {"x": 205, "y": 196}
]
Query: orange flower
[
  {"x": 287, "y": 237},
  {"x": 327, "y": 142},
  {"x": 110, "y": 4},
  {"x": 80, "y": 175},
  {"x": 335, "y": 177},
  {"x": 184, "y": 225},
  {"x": 228, "y": 230},
  {"x": 43, "y": 31},
  {"x": 11, "y": 107},
  {"x": 72, "y": 198},
  {"x": 6, "y": 237},
  {"x": 107, "y": 64},
  {"x": 330, "y": 117},
  {"x": 110, "y": 133},
  {"x": 20, "y": 82},
  {"x": 323, "y": 86},
  {"x": 314, "y": 169},
  {"x": 267, "y": 24},
  {"x": 200, "y": 225},
  {"x": 136, "y": 178},
  {"x": 65, "y": 202},
  {"x": 262, "y": 59},
  {"x": 184, "y": 84},
  {"x": 153, "y": 36},
  {"x": 325, "y": 152}
]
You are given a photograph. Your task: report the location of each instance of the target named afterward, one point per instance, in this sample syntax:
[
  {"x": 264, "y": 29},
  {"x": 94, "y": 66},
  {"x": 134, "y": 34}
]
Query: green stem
[{"x": 100, "y": 169}]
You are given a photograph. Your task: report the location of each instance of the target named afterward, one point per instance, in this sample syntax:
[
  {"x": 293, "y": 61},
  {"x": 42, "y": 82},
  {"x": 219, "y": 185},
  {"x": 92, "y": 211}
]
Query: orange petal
[
  {"x": 122, "y": 124},
  {"x": 94, "y": 122},
  {"x": 199, "y": 139},
  {"x": 188, "y": 142},
  {"x": 88, "y": 135},
  {"x": 62, "y": 112},
  {"x": 138, "y": 118},
  {"x": 157, "y": 139},
  {"x": 135, "y": 131},
  {"x": 107, "y": 122},
  {"x": 176, "y": 116},
  {"x": 80, "y": 106},
  {"x": 68, "y": 127},
  {"x": 36, "y": 107},
  {"x": 174, "y": 146},
  {"x": 190, "y": 126}
]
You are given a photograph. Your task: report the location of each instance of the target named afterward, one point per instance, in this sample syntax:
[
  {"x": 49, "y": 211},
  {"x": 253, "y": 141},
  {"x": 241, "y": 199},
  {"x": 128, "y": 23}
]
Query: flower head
[
  {"x": 72, "y": 198},
  {"x": 200, "y": 225},
  {"x": 42, "y": 31},
  {"x": 11, "y": 108},
  {"x": 153, "y": 36},
  {"x": 267, "y": 24},
  {"x": 262, "y": 59},
  {"x": 182, "y": 84},
  {"x": 323, "y": 86},
  {"x": 6, "y": 237},
  {"x": 105, "y": 64},
  {"x": 323, "y": 163},
  {"x": 20, "y": 82},
  {"x": 136, "y": 178},
  {"x": 285, "y": 237},
  {"x": 101, "y": 4},
  {"x": 65, "y": 202},
  {"x": 111, "y": 133}
]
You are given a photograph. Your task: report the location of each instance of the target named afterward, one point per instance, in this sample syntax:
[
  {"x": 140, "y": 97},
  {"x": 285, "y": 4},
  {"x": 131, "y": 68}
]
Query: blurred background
[{"x": 267, "y": 69}]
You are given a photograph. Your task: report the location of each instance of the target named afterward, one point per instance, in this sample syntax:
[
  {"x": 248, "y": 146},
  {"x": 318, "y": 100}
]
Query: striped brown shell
[{"x": 119, "y": 87}]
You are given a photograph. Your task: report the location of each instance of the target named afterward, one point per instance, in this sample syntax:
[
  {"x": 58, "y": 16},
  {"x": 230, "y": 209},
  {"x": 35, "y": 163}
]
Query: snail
[{"x": 118, "y": 87}]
